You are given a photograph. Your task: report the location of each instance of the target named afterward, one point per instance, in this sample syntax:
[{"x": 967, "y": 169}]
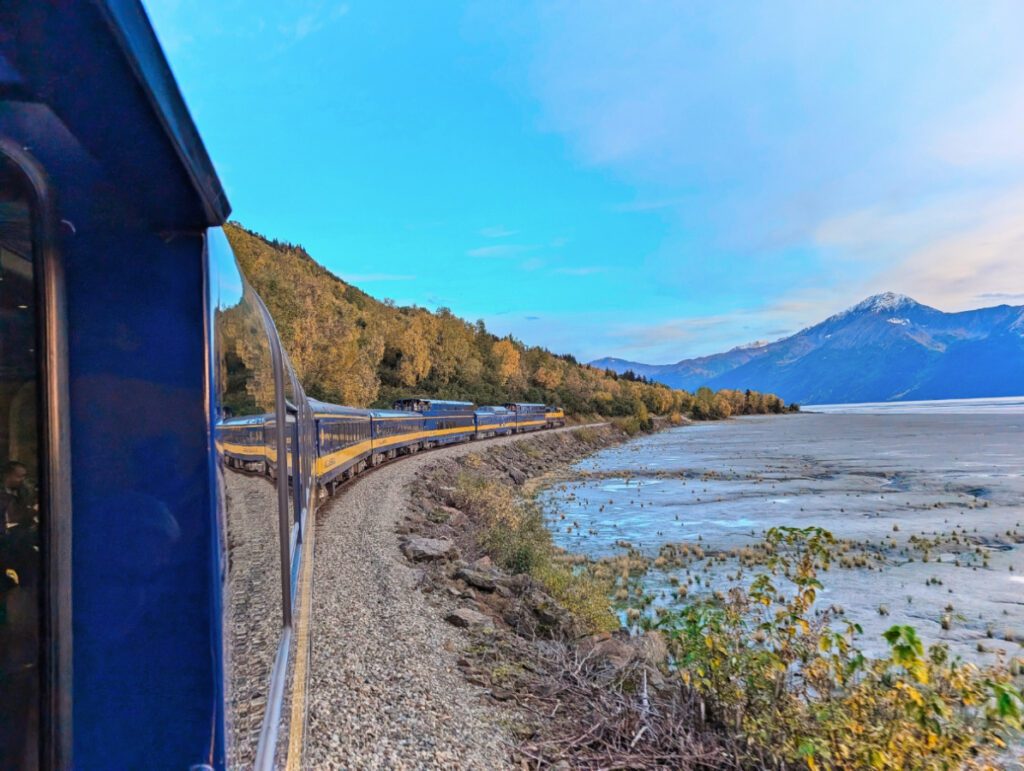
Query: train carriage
[
  {"x": 169, "y": 438},
  {"x": 529, "y": 417},
  {"x": 344, "y": 441},
  {"x": 493, "y": 421},
  {"x": 179, "y": 575},
  {"x": 242, "y": 442},
  {"x": 396, "y": 432},
  {"x": 444, "y": 421}
]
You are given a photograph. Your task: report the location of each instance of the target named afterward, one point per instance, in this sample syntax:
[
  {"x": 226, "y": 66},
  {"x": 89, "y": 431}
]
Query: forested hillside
[{"x": 349, "y": 348}]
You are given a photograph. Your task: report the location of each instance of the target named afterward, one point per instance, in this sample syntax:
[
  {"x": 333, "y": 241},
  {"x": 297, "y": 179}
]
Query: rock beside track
[
  {"x": 385, "y": 690},
  {"x": 424, "y": 549},
  {"x": 467, "y": 617}
]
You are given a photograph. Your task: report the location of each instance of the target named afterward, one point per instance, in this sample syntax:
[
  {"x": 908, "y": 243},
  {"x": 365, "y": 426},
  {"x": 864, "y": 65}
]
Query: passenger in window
[
  {"x": 16, "y": 499},
  {"x": 19, "y": 541}
]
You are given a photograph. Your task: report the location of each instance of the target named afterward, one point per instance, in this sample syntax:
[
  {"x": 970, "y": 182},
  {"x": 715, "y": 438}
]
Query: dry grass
[
  {"x": 513, "y": 533},
  {"x": 589, "y": 718}
]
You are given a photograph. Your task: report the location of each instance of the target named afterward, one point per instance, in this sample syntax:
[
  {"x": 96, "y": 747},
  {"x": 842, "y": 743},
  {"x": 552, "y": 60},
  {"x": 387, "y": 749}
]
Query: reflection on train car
[
  {"x": 255, "y": 603},
  {"x": 343, "y": 442},
  {"x": 241, "y": 443},
  {"x": 20, "y": 566}
]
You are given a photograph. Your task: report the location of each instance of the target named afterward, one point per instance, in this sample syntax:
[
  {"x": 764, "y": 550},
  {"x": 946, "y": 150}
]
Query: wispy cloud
[
  {"x": 680, "y": 338},
  {"x": 1002, "y": 297},
  {"x": 949, "y": 253},
  {"x": 313, "y": 20},
  {"x": 497, "y": 231},
  {"x": 985, "y": 132},
  {"x": 586, "y": 271},
  {"x": 648, "y": 206},
  {"x": 748, "y": 131},
  {"x": 368, "y": 277},
  {"x": 499, "y": 250}
]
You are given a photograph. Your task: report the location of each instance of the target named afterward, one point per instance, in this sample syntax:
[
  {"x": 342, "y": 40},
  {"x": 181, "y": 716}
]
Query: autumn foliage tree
[{"x": 350, "y": 348}]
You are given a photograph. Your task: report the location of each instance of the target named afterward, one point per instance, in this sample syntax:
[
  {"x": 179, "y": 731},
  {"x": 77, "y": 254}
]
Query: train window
[
  {"x": 253, "y": 602},
  {"x": 20, "y": 558}
]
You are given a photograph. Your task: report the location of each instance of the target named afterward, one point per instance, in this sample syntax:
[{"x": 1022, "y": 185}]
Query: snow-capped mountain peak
[
  {"x": 752, "y": 346},
  {"x": 885, "y": 347},
  {"x": 886, "y": 302}
]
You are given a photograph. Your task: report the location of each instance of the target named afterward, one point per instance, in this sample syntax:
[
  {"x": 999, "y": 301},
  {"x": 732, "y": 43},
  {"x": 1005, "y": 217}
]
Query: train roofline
[
  {"x": 104, "y": 55},
  {"x": 395, "y": 414},
  {"x": 438, "y": 402},
  {"x": 326, "y": 408},
  {"x": 244, "y": 420}
]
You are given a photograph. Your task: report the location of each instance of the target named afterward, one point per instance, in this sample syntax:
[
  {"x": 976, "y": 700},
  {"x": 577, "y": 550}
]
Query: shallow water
[{"x": 877, "y": 479}]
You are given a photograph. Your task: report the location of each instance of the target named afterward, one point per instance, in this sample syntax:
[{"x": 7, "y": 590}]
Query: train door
[{"x": 34, "y": 516}]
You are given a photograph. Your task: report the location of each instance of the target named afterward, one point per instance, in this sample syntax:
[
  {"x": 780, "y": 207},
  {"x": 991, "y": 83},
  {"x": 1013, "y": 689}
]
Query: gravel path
[
  {"x": 384, "y": 689},
  {"x": 253, "y": 607}
]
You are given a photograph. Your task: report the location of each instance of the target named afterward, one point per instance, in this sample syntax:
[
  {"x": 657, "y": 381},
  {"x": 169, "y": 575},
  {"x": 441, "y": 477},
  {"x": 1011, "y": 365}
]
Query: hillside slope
[
  {"x": 888, "y": 347},
  {"x": 349, "y": 348}
]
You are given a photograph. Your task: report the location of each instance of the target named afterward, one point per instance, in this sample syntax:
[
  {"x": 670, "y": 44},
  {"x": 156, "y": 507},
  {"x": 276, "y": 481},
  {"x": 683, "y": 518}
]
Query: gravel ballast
[{"x": 384, "y": 687}]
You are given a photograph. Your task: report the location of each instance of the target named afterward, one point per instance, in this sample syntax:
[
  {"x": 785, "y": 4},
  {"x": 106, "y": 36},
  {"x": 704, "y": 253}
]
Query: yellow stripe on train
[{"x": 333, "y": 460}]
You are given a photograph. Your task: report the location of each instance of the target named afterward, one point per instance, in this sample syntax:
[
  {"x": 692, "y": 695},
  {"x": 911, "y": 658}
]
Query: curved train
[
  {"x": 349, "y": 440},
  {"x": 161, "y": 460}
]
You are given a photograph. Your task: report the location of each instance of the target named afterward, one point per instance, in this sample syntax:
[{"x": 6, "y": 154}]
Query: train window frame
[
  {"x": 281, "y": 444},
  {"x": 54, "y": 456}
]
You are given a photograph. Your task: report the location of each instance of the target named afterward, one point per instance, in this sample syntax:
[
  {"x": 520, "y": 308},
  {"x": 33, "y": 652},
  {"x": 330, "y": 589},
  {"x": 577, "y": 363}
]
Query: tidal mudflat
[{"x": 929, "y": 505}]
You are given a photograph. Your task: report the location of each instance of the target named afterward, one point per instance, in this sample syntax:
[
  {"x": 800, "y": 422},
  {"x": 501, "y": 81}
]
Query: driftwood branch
[{"x": 599, "y": 718}]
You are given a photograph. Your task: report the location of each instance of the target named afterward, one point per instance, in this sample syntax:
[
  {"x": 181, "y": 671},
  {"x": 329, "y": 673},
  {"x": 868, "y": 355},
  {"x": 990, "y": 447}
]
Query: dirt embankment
[{"x": 541, "y": 641}]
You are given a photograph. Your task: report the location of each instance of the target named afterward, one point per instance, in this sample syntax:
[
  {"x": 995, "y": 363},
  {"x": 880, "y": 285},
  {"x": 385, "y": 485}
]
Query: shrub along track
[{"x": 384, "y": 689}]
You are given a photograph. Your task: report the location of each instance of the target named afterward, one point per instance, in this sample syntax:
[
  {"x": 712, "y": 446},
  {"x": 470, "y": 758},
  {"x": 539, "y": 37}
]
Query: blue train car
[
  {"x": 493, "y": 421},
  {"x": 344, "y": 442},
  {"x": 529, "y": 417},
  {"x": 242, "y": 442},
  {"x": 396, "y": 432},
  {"x": 149, "y": 592},
  {"x": 160, "y": 458},
  {"x": 444, "y": 421}
]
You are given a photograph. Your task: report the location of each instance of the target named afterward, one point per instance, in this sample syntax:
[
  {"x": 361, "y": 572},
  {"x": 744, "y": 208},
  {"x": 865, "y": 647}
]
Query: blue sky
[{"x": 646, "y": 180}]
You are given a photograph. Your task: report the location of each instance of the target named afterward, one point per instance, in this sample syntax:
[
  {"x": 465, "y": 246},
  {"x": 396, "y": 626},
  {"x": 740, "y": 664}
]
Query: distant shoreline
[{"x": 990, "y": 404}]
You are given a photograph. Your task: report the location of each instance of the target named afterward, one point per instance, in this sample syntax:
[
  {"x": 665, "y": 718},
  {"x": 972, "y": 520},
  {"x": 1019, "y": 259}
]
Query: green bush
[
  {"x": 797, "y": 692},
  {"x": 516, "y": 538}
]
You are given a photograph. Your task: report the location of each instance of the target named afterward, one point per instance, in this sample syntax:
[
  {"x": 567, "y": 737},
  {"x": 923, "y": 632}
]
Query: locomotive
[{"x": 162, "y": 461}]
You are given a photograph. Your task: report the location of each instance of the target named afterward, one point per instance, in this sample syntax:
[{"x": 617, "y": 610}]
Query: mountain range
[{"x": 887, "y": 348}]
